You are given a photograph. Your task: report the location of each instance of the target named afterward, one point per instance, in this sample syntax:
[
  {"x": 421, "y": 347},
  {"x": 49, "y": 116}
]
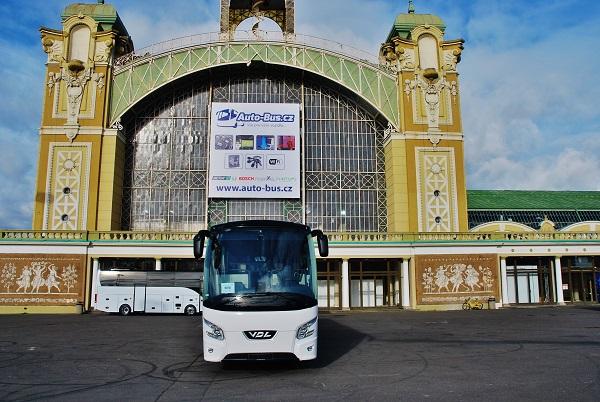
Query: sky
[{"x": 529, "y": 95}]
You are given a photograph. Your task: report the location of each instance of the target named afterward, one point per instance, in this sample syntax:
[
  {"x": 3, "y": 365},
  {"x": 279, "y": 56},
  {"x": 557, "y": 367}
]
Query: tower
[
  {"x": 233, "y": 12},
  {"x": 77, "y": 175},
  {"x": 425, "y": 158}
]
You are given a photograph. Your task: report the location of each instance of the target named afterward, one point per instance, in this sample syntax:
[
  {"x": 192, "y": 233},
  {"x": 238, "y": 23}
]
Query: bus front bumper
[{"x": 239, "y": 329}]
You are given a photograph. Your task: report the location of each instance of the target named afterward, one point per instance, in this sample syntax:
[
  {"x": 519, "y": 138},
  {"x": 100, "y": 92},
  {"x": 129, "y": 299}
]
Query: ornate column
[
  {"x": 558, "y": 276},
  {"x": 345, "y": 285},
  {"x": 405, "y": 284},
  {"x": 504, "y": 282},
  {"x": 95, "y": 274}
]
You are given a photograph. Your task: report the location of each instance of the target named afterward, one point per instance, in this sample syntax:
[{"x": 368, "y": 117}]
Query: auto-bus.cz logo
[{"x": 232, "y": 118}]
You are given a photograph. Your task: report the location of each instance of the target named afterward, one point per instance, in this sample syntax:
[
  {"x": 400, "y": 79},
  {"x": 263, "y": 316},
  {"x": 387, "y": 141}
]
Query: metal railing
[
  {"x": 342, "y": 237},
  {"x": 246, "y": 36}
]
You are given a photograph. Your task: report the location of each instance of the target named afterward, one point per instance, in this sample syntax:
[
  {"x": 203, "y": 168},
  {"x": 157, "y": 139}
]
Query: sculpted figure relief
[{"x": 75, "y": 86}]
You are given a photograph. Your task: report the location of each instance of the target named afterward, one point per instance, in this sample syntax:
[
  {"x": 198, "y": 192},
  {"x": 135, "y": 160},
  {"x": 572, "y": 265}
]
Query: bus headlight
[
  {"x": 307, "y": 329},
  {"x": 215, "y": 331}
]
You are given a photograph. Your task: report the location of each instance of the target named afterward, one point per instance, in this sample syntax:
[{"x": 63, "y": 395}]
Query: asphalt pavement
[{"x": 526, "y": 354}]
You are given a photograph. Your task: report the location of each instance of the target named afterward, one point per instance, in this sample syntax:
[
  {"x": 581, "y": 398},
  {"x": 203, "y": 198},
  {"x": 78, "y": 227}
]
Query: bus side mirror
[
  {"x": 322, "y": 242},
  {"x": 199, "y": 243}
]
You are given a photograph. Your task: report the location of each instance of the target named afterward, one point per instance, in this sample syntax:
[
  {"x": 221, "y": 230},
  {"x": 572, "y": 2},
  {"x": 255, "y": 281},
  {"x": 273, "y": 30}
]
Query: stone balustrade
[{"x": 365, "y": 238}]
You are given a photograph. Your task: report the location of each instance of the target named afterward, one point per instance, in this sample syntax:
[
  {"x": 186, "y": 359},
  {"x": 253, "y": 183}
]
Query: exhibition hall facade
[{"x": 141, "y": 149}]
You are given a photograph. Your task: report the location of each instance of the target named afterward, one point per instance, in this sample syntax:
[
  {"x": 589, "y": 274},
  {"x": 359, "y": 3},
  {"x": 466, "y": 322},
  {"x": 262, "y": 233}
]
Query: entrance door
[
  {"x": 329, "y": 274},
  {"x": 529, "y": 281},
  {"x": 580, "y": 279},
  {"x": 374, "y": 282}
]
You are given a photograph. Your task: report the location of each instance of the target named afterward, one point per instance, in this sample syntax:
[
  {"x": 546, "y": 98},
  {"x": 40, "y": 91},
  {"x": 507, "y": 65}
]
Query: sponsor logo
[
  {"x": 259, "y": 335},
  {"x": 223, "y": 178},
  {"x": 246, "y": 178},
  {"x": 233, "y": 118},
  {"x": 226, "y": 118}
]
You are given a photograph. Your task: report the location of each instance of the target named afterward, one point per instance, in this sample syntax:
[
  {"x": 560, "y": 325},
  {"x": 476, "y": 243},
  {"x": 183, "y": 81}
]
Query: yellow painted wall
[
  {"x": 397, "y": 186},
  {"x": 41, "y": 310},
  {"x": 111, "y": 183}
]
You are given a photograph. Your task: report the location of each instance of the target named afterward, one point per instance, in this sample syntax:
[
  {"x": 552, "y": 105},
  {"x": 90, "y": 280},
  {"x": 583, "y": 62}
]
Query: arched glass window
[{"x": 167, "y": 149}]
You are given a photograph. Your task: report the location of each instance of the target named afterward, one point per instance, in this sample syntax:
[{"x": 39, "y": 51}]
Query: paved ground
[{"x": 516, "y": 354}]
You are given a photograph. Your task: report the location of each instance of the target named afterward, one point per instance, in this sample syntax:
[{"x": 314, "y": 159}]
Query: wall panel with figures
[
  {"x": 450, "y": 279},
  {"x": 38, "y": 279}
]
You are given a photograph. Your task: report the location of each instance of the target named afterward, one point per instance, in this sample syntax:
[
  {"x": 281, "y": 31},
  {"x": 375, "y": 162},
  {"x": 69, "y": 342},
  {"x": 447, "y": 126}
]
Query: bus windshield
[{"x": 260, "y": 269}]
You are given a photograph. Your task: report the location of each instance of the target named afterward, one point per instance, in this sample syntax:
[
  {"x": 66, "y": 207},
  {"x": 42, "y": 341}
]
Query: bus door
[{"x": 139, "y": 298}]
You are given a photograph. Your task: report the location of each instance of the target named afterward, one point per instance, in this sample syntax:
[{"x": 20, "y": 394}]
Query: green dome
[
  {"x": 405, "y": 23},
  {"x": 105, "y": 14}
]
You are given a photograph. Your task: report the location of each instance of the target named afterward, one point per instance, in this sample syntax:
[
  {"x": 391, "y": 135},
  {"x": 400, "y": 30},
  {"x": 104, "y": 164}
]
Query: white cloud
[
  {"x": 522, "y": 104},
  {"x": 569, "y": 169},
  {"x": 17, "y": 175}
]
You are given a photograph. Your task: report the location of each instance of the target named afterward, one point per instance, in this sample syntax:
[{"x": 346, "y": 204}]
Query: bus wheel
[
  {"x": 190, "y": 310},
  {"x": 125, "y": 309}
]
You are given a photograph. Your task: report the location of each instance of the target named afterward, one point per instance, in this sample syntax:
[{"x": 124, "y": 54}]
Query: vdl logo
[
  {"x": 231, "y": 118},
  {"x": 258, "y": 335}
]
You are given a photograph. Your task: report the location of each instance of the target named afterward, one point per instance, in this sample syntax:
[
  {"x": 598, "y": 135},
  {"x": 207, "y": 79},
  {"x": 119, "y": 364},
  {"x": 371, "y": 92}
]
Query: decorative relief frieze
[
  {"x": 103, "y": 51},
  {"x": 75, "y": 84},
  {"x": 450, "y": 279},
  {"x": 53, "y": 80},
  {"x": 41, "y": 279},
  {"x": 398, "y": 56},
  {"x": 431, "y": 92},
  {"x": 451, "y": 59},
  {"x": 99, "y": 80},
  {"x": 54, "y": 49},
  {"x": 436, "y": 189}
]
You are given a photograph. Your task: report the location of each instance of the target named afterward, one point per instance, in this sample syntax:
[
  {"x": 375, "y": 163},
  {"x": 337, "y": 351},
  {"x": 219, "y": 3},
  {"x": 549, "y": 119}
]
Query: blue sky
[{"x": 528, "y": 88}]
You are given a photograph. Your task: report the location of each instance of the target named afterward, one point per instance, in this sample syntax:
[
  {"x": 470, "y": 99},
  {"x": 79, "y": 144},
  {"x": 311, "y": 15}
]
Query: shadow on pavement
[{"x": 335, "y": 340}]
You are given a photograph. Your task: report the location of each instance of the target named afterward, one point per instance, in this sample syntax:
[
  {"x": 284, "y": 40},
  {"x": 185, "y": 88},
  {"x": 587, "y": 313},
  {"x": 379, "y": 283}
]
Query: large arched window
[{"x": 342, "y": 149}]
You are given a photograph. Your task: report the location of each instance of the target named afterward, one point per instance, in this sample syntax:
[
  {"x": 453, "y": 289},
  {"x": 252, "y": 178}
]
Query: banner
[{"x": 255, "y": 150}]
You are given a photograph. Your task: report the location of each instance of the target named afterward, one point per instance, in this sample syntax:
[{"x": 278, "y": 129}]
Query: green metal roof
[
  {"x": 405, "y": 23},
  {"x": 105, "y": 14},
  {"x": 533, "y": 200}
]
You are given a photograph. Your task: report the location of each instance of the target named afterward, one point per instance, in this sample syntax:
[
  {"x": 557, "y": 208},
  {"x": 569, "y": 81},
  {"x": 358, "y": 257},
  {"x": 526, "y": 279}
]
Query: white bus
[
  {"x": 260, "y": 290},
  {"x": 127, "y": 291}
]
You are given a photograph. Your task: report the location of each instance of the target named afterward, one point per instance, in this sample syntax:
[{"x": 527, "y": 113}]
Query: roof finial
[{"x": 411, "y": 7}]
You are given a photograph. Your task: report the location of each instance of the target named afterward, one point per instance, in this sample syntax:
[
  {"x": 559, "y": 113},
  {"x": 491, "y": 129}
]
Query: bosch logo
[{"x": 259, "y": 335}]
